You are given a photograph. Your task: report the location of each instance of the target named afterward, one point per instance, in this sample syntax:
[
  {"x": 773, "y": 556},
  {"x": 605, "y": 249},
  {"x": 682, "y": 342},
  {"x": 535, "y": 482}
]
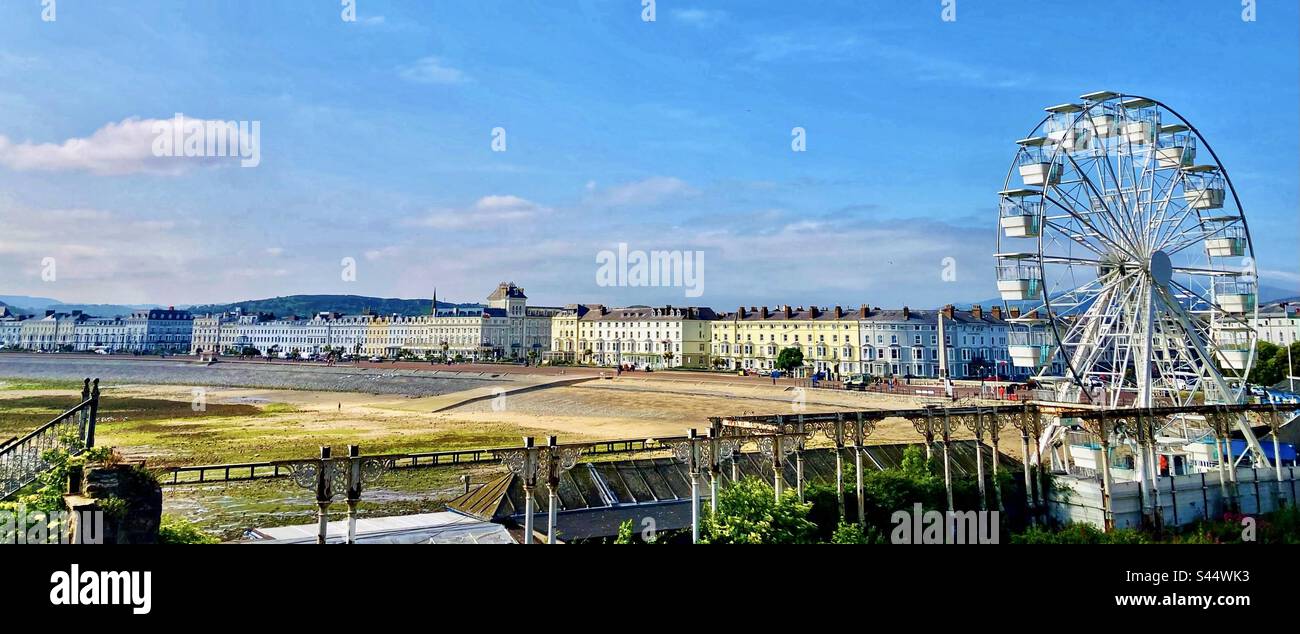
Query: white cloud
[
  {"x": 1290, "y": 277},
  {"x": 700, "y": 18},
  {"x": 106, "y": 255},
  {"x": 431, "y": 70},
  {"x": 386, "y": 253},
  {"x": 255, "y": 273},
  {"x": 917, "y": 63},
  {"x": 125, "y": 147},
  {"x": 485, "y": 213},
  {"x": 643, "y": 192}
]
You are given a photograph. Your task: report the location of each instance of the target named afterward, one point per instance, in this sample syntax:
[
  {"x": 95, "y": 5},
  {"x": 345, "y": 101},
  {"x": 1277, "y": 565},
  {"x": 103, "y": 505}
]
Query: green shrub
[
  {"x": 748, "y": 513},
  {"x": 851, "y": 533},
  {"x": 178, "y": 530},
  {"x": 1079, "y": 534},
  {"x": 625, "y": 534}
]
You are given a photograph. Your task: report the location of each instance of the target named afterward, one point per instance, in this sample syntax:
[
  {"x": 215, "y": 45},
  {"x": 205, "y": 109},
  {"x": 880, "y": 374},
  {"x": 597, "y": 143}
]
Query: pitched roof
[
  {"x": 595, "y": 312},
  {"x": 507, "y": 289},
  {"x": 485, "y": 501}
]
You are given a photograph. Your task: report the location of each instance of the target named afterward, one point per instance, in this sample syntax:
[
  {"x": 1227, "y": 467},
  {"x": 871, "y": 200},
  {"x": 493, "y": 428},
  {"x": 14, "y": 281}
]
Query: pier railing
[{"x": 245, "y": 471}]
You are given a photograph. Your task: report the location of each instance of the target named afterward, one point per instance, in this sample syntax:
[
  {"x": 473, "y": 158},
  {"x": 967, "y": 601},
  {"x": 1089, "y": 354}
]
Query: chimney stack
[
  {"x": 740, "y": 312},
  {"x": 839, "y": 312},
  {"x": 996, "y": 311},
  {"x": 763, "y": 312},
  {"x": 977, "y": 312},
  {"x": 948, "y": 311},
  {"x": 907, "y": 313},
  {"x": 863, "y": 311},
  {"x": 1015, "y": 312},
  {"x": 788, "y": 312}
]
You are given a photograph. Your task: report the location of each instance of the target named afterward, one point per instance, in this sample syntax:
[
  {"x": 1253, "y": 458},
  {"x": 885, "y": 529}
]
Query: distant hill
[
  {"x": 38, "y": 305},
  {"x": 1273, "y": 294},
  {"x": 308, "y": 305},
  {"x": 27, "y": 302}
]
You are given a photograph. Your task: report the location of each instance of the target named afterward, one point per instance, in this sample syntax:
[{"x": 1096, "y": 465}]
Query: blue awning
[{"x": 1288, "y": 450}]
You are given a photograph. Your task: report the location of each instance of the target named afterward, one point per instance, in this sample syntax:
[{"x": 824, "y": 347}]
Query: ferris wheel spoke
[
  {"x": 1191, "y": 239},
  {"x": 1185, "y": 322},
  {"x": 1068, "y": 260},
  {"x": 1196, "y": 270},
  {"x": 1158, "y": 207},
  {"x": 1103, "y": 321},
  {"x": 1163, "y": 226},
  {"x": 1085, "y": 290},
  {"x": 1078, "y": 237},
  {"x": 1208, "y": 300},
  {"x": 1105, "y": 237},
  {"x": 1122, "y": 220},
  {"x": 1114, "y": 220}
]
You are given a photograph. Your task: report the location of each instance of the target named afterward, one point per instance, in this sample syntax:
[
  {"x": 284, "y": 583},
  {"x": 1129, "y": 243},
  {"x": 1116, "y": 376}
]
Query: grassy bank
[{"x": 26, "y": 384}]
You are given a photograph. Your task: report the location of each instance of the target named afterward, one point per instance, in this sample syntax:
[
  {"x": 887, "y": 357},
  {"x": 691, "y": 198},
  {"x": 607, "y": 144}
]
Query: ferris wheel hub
[{"x": 1161, "y": 268}]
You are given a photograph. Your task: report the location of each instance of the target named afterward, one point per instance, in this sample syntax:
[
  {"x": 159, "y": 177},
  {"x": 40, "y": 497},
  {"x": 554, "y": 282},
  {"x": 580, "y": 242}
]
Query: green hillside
[{"x": 308, "y": 305}]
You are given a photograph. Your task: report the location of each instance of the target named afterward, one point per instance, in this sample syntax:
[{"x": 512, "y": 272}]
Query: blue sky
[{"x": 673, "y": 134}]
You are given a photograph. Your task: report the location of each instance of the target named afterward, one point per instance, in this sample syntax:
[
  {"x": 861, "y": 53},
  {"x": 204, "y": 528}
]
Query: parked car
[
  {"x": 376, "y": 359},
  {"x": 857, "y": 381}
]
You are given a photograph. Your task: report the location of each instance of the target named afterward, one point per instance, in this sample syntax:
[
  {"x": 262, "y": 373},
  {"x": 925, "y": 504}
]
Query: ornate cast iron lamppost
[
  {"x": 324, "y": 477},
  {"x": 721, "y": 447},
  {"x": 928, "y": 426},
  {"x": 328, "y": 476},
  {"x": 776, "y": 447},
  {"x": 861, "y": 429},
  {"x": 523, "y": 463},
  {"x": 556, "y": 460},
  {"x": 1101, "y": 428},
  {"x": 975, "y": 423},
  {"x": 995, "y": 424},
  {"x": 1022, "y": 423},
  {"x": 691, "y": 452},
  {"x": 360, "y": 472}
]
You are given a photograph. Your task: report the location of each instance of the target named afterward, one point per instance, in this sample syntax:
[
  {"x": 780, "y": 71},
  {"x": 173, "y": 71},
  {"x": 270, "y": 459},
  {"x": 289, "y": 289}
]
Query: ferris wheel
[{"x": 1124, "y": 258}]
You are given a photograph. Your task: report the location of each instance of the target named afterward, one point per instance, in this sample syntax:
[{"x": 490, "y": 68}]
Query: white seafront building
[
  {"x": 232, "y": 333},
  {"x": 506, "y": 328},
  {"x": 639, "y": 336},
  {"x": 153, "y": 330},
  {"x": 1279, "y": 324},
  {"x": 906, "y": 343}
]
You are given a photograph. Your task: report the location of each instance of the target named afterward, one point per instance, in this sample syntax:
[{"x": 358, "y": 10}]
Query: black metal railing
[
  {"x": 244, "y": 471},
  {"x": 24, "y": 459}
]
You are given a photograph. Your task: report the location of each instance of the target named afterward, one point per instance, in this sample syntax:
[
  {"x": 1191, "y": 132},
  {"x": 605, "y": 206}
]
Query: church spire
[{"x": 434, "y": 310}]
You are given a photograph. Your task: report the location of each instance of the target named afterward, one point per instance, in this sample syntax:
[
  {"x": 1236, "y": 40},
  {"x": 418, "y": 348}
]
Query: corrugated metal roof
[{"x": 422, "y": 528}]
